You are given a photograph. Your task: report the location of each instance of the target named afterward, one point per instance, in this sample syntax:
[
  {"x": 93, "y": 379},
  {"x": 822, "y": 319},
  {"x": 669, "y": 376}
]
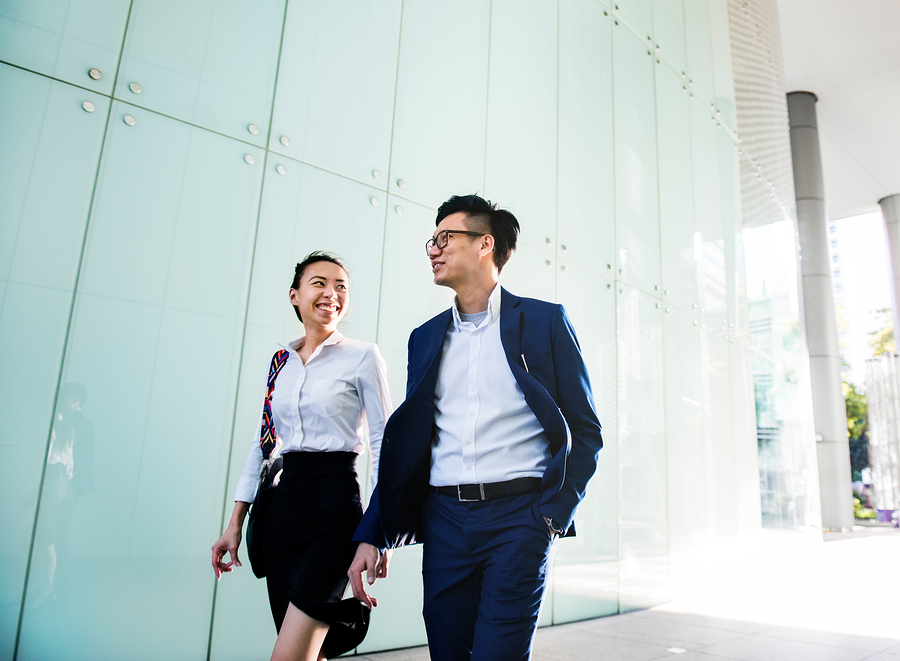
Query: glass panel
[
  {"x": 155, "y": 339},
  {"x": 406, "y": 278},
  {"x": 637, "y": 212},
  {"x": 685, "y": 448},
  {"x": 335, "y": 95},
  {"x": 643, "y": 537},
  {"x": 520, "y": 167},
  {"x": 784, "y": 418},
  {"x": 668, "y": 20},
  {"x": 709, "y": 247},
  {"x": 586, "y": 197},
  {"x": 214, "y": 66},
  {"x": 531, "y": 272},
  {"x": 585, "y": 574},
  {"x": 639, "y": 15},
  {"x": 720, "y": 32},
  {"x": 676, "y": 208},
  {"x": 304, "y": 209},
  {"x": 65, "y": 39},
  {"x": 699, "y": 49},
  {"x": 441, "y": 108},
  {"x": 48, "y": 170}
]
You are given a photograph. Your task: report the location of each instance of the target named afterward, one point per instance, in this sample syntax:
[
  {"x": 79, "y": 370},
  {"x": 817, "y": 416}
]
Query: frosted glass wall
[{"x": 164, "y": 167}]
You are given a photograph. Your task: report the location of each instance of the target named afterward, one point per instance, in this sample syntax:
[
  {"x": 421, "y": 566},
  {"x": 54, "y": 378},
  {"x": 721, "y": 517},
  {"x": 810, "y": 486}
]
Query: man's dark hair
[
  {"x": 482, "y": 216},
  {"x": 312, "y": 258}
]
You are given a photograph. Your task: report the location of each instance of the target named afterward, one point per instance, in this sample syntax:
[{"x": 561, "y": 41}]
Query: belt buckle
[{"x": 469, "y": 500}]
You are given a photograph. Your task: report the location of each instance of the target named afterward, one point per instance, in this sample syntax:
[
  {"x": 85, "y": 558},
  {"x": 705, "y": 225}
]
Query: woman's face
[{"x": 323, "y": 295}]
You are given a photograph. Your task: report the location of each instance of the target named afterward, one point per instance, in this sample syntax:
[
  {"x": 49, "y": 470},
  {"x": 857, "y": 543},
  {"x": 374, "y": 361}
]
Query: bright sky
[{"x": 863, "y": 258}]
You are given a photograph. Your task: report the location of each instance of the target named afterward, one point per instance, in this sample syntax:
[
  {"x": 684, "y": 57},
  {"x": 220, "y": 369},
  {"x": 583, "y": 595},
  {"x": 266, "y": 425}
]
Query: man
[{"x": 488, "y": 457}]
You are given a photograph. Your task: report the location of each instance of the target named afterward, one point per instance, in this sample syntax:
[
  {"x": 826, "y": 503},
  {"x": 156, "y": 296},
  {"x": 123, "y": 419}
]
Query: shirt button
[
  {"x": 471, "y": 414},
  {"x": 469, "y": 467},
  {"x": 468, "y": 442}
]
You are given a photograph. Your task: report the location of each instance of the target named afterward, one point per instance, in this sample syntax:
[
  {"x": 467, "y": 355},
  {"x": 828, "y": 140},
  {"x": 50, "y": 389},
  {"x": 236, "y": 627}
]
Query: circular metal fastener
[
  {"x": 376, "y": 174},
  {"x": 668, "y": 310},
  {"x": 253, "y": 129},
  {"x": 563, "y": 246},
  {"x": 401, "y": 183},
  {"x": 95, "y": 74},
  {"x": 658, "y": 306},
  {"x": 667, "y": 292},
  {"x": 621, "y": 271},
  {"x": 694, "y": 306},
  {"x": 562, "y": 268},
  {"x": 134, "y": 87},
  {"x": 695, "y": 323},
  {"x": 621, "y": 291},
  {"x": 609, "y": 286},
  {"x": 88, "y": 106},
  {"x": 285, "y": 140},
  {"x": 548, "y": 241},
  {"x": 280, "y": 169},
  {"x": 547, "y": 263},
  {"x": 609, "y": 267},
  {"x": 399, "y": 210},
  {"x": 130, "y": 120},
  {"x": 248, "y": 159},
  {"x": 374, "y": 201}
]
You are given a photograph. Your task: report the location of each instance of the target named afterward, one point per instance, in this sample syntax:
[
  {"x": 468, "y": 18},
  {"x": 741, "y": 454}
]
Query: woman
[{"x": 329, "y": 391}]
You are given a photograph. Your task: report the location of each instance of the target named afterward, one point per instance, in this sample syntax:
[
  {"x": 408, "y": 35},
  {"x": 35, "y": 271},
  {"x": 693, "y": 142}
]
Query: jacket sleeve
[{"x": 576, "y": 401}]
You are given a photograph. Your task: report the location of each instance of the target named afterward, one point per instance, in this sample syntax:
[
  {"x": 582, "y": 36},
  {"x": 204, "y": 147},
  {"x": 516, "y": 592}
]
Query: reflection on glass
[
  {"x": 68, "y": 477},
  {"x": 785, "y": 434}
]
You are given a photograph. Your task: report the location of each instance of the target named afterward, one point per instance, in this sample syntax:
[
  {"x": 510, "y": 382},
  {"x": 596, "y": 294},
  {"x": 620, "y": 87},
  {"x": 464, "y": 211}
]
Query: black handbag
[{"x": 270, "y": 469}]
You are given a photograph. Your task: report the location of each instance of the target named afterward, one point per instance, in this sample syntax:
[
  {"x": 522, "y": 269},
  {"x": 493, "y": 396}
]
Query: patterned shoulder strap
[{"x": 267, "y": 429}]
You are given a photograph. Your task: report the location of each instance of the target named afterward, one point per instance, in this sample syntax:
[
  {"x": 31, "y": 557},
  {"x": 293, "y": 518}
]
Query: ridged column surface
[
  {"x": 829, "y": 411},
  {"x": 890, "y": 210}
]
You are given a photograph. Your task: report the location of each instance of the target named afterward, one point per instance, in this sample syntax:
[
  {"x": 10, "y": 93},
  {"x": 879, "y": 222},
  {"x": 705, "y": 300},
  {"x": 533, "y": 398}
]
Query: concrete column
[
  {"x": 829, "y": 409},
  {"x": 890, "y": 210}
]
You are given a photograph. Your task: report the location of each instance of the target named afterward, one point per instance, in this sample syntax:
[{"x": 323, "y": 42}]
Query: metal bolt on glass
[
  {"x": 95, "y": 74},
  {"x": 399, "y": 210},
  {"x": 253, "y": 128},
  {"x": 285, "y": 140},
  {"x": 374, "y": 201},
  {"x": 547, "y": 263},
  {"x": 130, "y": 120},
  {"x": 88, "y": 106},
  {"x": 376, "y": 174},
  {"x": 280, "y": 169},
  {"x": 248, "y": 159},
  {"x": 135, "y": 88},
  {"x": 401, "y": 183}
]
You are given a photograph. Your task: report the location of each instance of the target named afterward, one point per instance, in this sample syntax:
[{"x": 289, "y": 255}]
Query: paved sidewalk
[{"x": 766, "y": 597}]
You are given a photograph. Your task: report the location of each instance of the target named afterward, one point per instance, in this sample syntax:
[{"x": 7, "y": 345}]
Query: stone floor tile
[
  {"x": 565, "y": 644},
  {"x": 658, "y": 631},
  {"x": 700, "y": 620},
  {"x": 759, "y": 647},
  {"x": 850, "y": 641}
]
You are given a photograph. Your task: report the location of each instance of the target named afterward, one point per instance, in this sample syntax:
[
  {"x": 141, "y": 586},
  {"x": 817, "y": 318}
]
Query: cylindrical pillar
[
  {"x": 829, "y": 409},
  {"x": 890, "y": 210}
]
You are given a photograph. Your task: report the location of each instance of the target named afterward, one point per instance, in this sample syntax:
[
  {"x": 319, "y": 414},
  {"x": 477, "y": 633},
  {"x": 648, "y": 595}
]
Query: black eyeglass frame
[{"x": 435, "y": 242}]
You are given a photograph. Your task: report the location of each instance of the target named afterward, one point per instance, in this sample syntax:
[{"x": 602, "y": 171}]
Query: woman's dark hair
[
  {"x": 482, "y": 216},
  {"x": 312, "y": 258}
]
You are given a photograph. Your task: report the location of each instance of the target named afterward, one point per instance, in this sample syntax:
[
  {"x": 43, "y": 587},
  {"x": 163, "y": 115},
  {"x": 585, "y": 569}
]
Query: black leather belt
[{"x": 475, "y": 492}]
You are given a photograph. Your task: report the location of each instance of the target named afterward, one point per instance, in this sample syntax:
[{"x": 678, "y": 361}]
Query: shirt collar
[
  {"x": 294, "y": 346},
  {"x": 493, "y": 308}
]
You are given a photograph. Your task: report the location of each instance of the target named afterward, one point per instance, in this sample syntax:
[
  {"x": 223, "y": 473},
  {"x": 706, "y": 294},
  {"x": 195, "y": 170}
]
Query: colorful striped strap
[{"x": 267, "y": 435}]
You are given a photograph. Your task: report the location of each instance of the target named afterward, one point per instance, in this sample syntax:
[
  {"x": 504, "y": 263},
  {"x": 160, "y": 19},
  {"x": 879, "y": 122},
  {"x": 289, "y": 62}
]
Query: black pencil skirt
[{"x": 310, "y": 521}]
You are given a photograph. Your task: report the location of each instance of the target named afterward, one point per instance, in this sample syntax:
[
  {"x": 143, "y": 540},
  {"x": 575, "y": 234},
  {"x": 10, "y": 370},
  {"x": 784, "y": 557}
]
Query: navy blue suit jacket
[{"x": 545, "y": 358}]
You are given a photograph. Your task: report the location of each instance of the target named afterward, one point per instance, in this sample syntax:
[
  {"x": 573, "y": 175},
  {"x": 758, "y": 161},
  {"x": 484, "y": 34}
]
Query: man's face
[{"x": 456, "y": 263}]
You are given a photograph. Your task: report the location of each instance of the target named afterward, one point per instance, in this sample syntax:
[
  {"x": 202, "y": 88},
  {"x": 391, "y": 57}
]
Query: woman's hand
[
  {"x": 369, "y": 560},
  {"x": 230, "y": 541}
]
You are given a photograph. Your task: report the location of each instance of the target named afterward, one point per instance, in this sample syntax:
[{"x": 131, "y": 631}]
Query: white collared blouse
[{"x": 330, "y": 404}]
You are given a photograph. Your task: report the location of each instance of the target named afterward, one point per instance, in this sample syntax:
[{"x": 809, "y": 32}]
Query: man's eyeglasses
[{"x": 443, "y": 238}]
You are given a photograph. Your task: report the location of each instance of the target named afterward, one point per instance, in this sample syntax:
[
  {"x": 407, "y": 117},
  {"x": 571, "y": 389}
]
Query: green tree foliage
[
  {"x": 882, "y": 340},
  {"x": 857, "y": 428}
]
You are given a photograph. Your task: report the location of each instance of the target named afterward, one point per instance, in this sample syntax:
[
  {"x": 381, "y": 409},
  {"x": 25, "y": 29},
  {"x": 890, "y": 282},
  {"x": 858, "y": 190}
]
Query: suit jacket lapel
[
  {"x": 510, "y": 326},
  {"x": 431, "y": 350}
]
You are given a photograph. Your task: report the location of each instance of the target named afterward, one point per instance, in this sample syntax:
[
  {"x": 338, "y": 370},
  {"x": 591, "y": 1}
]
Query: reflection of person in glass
[
  {"x": 69, "y": 476},
  {"x": 330, "y": 391}
]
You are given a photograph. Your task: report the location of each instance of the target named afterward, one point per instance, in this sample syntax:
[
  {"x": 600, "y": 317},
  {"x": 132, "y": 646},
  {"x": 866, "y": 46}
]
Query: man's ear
[{"x": 487, "y": 245}]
